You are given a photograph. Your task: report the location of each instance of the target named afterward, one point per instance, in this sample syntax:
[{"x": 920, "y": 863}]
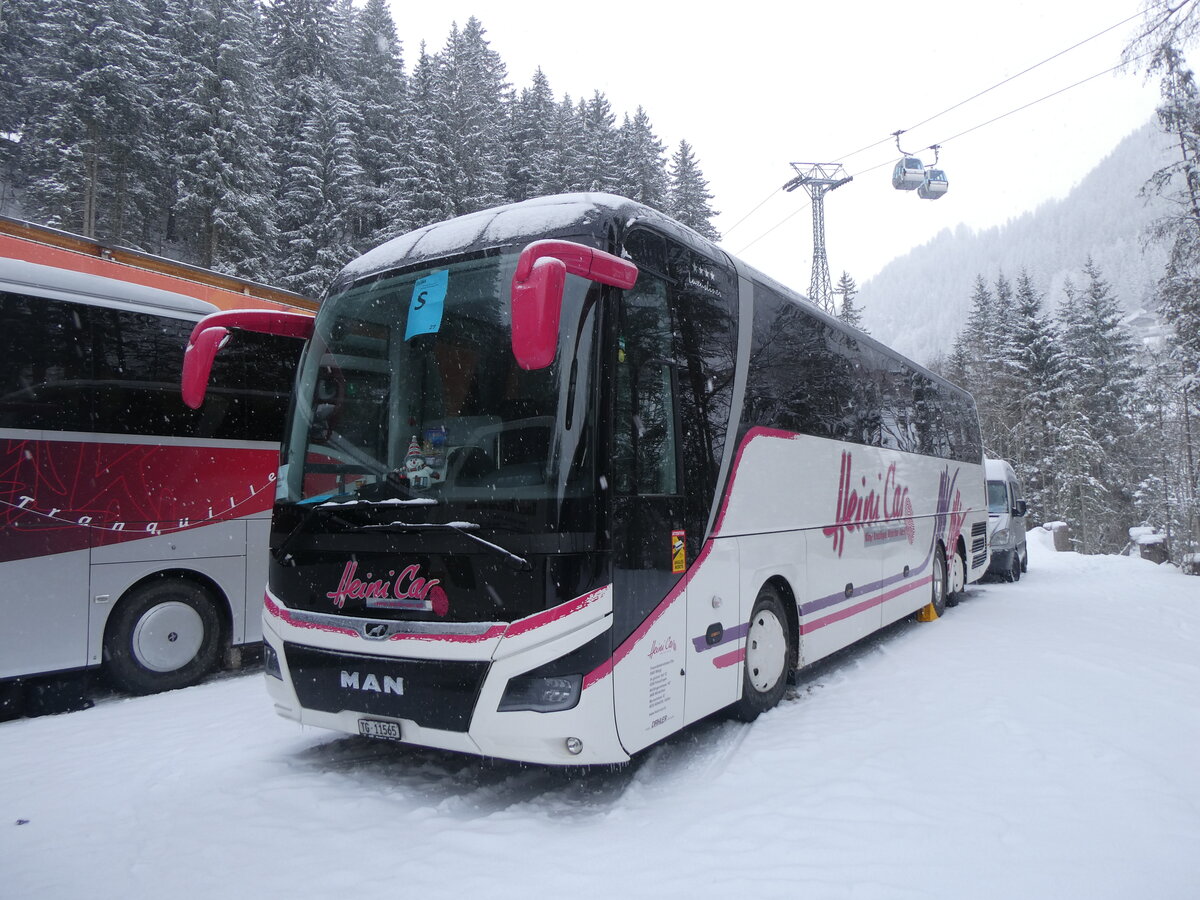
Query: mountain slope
[{"x": 921, "y": 300}]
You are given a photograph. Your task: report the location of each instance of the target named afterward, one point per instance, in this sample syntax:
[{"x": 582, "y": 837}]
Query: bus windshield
[{"x": 409, "y": 392}]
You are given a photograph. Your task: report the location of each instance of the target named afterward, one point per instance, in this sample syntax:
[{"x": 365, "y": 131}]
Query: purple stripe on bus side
[
  {"x": 833, "y": 599},
  {"x": 731, "y": 634}
]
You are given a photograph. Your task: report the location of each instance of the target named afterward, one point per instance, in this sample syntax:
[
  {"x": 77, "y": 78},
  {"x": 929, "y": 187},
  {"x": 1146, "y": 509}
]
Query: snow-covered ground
[{"x": 1041, "y": 740}]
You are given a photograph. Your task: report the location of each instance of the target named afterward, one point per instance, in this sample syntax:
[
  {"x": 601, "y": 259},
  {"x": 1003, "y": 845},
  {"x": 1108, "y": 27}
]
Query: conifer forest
[
  {"x": 1100, "y": 426},
  {"x": 277, "y": 140}
]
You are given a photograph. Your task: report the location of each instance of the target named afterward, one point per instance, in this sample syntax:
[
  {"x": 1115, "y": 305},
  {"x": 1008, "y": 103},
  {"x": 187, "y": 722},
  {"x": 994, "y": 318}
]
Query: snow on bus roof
[
  {"x": 79, "y": 287},
  {"x": 501, "y": 225}
]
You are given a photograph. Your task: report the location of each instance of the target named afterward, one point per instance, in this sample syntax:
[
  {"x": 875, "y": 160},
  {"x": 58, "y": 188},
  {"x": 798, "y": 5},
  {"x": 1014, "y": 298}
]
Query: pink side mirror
[
  {"x": 537, "y": 292},
  {"x": 210, "y": 333}
]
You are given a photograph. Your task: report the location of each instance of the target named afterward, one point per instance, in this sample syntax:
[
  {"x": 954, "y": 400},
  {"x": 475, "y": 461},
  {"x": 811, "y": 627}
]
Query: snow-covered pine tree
[
  {"x": 1002, "y": 382},
  {"x": 421, "y": 199},
  {"x": 848, "y": 312},
  {"x": 318, "y": 176},
  {"x": 641, "y": 162},
  {"x": 689, "y": 199},
  {"x": 17, "y": 47},
  {"x": 969, "y": 364},
  {"x": 470, "y": 90},
  {"x": 598, "y": 170},
  {"x": 530, "y": 148},
  {"x": 217, "y": 108},
  {"x": 1100, "y": 384},
  {"x": 1039, "y": 364},
  {"x": 378, "y": 88},
  {"x": 319, "y": 194},
  {"x": 1166, "y": 496},
  {"x": 92, "y": 153},
  {"x": 564, "y": 168}
]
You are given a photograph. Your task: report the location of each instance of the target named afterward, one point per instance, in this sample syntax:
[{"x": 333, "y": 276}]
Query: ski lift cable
[
  {"x": 1025, "y": 71},
  {"x": 889, "y": 162},
  {"x": 998, "y": 84},
  {"x": 1018, "y": 109},
  {"x": 949, "y": 109},
  {"x": 778, "y": 224}
]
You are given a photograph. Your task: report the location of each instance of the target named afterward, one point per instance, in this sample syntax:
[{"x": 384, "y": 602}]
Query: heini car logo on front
[{"x": 390, "y": 685}]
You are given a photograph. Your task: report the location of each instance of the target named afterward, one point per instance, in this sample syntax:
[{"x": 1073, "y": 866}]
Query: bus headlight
[
  {"x": 552, "y": 693},
  {"x": 1002, "y": 538}
]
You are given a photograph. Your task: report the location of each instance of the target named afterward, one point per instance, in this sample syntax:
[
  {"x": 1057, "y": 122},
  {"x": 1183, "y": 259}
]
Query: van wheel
[
  {"x": 768, "y": 656},
  {"x": 936, "y": 606},
  {"x": 164, "y": 635},
  {"x": 1014, "y": 572}
]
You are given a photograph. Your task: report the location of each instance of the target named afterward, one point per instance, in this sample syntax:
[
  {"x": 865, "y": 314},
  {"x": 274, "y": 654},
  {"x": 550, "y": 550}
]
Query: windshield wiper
[{"x": 464, "y": 528}]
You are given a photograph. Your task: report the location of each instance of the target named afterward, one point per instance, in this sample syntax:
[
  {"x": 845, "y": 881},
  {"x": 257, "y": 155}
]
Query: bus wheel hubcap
[
  {"x": 958, "y": 577},
  {"x": 766, "y": 651},
  {"x": 168, "y": 636}
]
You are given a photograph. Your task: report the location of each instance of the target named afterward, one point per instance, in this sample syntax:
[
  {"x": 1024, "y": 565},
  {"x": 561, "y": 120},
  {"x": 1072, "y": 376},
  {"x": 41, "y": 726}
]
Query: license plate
[{"x": 374, "y": 728}]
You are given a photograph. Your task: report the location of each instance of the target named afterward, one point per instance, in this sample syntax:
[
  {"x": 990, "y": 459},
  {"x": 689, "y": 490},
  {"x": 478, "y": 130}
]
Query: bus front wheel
[
  {"x": 768, "y": 656},
  {"x": 164, "y": 635}
]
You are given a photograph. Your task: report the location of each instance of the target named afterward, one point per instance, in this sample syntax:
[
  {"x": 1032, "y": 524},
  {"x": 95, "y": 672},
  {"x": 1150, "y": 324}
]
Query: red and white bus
[
  {"x": 563, "y": 477},
  {"x": 125, "y": 516}
]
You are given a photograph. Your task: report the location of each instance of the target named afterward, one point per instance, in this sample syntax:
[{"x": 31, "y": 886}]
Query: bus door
[{"x": 647, "y": 522}]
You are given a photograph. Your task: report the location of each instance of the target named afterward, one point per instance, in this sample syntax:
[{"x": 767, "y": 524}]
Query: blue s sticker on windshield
[{"x": 428, "y": 300}]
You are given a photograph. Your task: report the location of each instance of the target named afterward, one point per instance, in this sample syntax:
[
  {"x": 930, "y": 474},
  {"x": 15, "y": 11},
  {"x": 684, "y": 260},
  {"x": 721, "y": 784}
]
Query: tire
[
  {"x": 1024, "y": 559},
  {"x": 164, "y": 635},
  {"x": 936, "y": 607},
  {"x": 1014, "y": 573},
  {"x": 956, "y": 583},
  {"x": 768, "y": 656}
]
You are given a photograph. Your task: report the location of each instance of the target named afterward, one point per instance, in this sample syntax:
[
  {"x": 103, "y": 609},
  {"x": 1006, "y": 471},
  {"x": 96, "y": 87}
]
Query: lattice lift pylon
[{"x": 818, "y": 179}]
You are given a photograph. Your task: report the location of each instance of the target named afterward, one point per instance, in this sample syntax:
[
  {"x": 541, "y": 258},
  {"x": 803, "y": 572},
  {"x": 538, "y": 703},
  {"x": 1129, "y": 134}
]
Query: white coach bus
[{"x": 563, "y": 477}]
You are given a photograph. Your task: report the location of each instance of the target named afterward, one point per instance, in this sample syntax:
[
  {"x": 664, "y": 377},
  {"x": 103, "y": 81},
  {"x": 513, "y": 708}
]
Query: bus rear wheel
[
  {"x": 936, "y": 606},
  {"x": 768, "y": 656},
  {"x": 165, "y": 635},
  {"x": 957, "y": 582}
]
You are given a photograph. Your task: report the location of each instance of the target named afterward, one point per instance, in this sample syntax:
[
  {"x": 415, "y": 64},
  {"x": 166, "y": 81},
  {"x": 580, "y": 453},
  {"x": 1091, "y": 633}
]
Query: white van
[{"x": 1006, "y": 521}]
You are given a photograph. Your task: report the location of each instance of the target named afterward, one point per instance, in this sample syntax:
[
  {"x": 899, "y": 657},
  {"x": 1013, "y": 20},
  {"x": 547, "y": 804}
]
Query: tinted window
[
  {"x": 71, "y": 367},
  {"x": 807, "y": 376},
  {"x": 45, "y": 364},
  {"x": 813, "y": 377}
]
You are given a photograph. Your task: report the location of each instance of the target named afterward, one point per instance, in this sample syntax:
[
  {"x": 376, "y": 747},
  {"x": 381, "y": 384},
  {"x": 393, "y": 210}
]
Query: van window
[{"x": 997, "y": 497}]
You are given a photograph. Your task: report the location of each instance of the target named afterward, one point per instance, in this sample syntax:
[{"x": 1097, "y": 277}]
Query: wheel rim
[
  {"x": 958, "y": 578},
  {"x": 766, "y": 651},
  {"x": 939, "y": 582},
  {"x": 168, "y": 636}
]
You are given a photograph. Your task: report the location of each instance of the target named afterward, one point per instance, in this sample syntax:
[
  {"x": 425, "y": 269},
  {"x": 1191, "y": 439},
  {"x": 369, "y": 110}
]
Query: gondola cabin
[
  {"x": 934, "y": 185},
  {"x": 909, "y": 174}
]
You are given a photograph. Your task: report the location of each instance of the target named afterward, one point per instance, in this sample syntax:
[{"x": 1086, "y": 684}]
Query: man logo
[
  {"x": 370, "y": 683},
  {"x": 376, "y": 630}
]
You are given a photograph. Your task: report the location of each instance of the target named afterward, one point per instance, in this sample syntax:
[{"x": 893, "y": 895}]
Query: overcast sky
[{"x": 755, "y": 86}]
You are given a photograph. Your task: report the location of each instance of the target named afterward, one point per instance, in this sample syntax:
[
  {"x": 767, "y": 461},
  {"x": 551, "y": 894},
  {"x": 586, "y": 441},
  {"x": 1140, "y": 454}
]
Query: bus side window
[{"x": 46, "y": 378}]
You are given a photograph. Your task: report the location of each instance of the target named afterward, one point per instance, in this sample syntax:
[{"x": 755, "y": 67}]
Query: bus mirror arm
[
  {"x": 210, "y": 334},
  {"x": 537, "y": 292}
]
